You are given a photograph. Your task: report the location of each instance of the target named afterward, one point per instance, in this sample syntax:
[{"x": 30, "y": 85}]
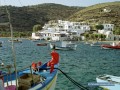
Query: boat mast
[{"x": 13, "y": 50}]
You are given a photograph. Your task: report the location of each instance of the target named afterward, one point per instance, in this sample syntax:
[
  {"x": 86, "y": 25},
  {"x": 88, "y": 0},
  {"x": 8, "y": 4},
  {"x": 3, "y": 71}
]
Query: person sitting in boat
[
  {"x": 54, "y": 60},
  {"x": 35, "y": 66}
]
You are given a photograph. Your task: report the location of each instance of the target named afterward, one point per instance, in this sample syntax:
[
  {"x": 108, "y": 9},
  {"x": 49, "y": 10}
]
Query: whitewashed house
[
  {"x": 108, "y": 27},
  {"x": 35, "y": 36},
  {"x": 112, "y": 37},
  {"x": 63, "y": 30},
  {"x": 107, "y": 10},
  {"x": 108, "y": 31}
]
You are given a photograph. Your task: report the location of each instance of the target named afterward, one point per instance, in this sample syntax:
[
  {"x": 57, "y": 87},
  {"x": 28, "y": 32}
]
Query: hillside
[
  {"x": 24, "y": 18},
  {"x": 99, "y": 13}
]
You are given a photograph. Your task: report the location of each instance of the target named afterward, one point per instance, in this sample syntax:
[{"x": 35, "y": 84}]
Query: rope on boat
[{"x": 72, "y": 80}]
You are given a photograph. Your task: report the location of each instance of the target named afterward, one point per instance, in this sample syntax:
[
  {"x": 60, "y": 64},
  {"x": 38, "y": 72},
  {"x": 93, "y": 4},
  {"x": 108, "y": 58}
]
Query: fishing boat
[
  {"x": 87, "y": 43},
  {"x": 111, "y": 46},
  {"x": 1, "y": 43},
  {"x": 34, "y": 40},
  {"x": 28, "y": 79},
  {"x": 95, "y": 44},
  {"x": 41, "y": 44},
  {"x": 64, "y": 46},
  {"x": 15, "y": 40},
  {"x": 109, "y": 82}
]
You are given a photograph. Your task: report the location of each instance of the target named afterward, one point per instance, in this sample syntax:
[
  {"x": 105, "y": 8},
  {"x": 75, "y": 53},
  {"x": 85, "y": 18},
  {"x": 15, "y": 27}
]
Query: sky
[{"x": 63, "y": 2}]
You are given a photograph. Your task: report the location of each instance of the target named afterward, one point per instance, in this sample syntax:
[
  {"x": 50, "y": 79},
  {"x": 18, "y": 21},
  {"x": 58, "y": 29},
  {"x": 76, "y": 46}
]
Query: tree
[
  {"x": 96, "y": 36},
  {"x": 102, "y": 36},
  {"x": 86, "y": 36},
  {"x": 92, "y": 27},
  {"x": 92, "y": 36},
  {"x": 37, "y": 28},
  {"x": 116, "y": 31},
  {"x": 99, "y": 27}
]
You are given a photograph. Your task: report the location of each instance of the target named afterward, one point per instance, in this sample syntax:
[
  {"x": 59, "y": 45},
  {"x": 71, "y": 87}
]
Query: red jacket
[
  {"x": 53, "y": 61},
  {"x": 55, "y": 57}
]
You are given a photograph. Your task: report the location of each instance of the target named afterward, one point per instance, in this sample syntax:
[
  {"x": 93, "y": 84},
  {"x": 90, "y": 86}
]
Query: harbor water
[{"x": 83, "y": 65}]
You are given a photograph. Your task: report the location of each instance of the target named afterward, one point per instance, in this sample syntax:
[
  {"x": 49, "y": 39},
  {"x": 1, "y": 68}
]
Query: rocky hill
[
  {"x": 99, "y": 13},
  {"x": 24, "y": 18}
]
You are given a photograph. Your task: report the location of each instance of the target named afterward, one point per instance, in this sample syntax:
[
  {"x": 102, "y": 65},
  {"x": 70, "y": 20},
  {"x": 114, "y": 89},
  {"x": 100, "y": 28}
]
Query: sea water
[{"x": 83, "y": 65}]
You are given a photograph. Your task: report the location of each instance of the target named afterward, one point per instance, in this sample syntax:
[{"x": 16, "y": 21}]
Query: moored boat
[
  {"x": 96, "y": 44},
  {"x": 41, "y": 44},
  {"x": 109, "y": 82},
  {"x": 16, "y": 41},
  {"x": 64, "y": 46},
  {"x": 34, "y": 40},
  {"x": 28, "y": 79},
  {"x": 111, "y": 46},
  {"x": 1, "y": 43},
  {"x": 87, "y": 43}
]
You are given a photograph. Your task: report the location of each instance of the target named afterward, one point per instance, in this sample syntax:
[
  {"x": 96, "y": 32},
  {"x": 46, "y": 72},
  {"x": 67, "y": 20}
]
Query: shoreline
[
  {"x": 100, "y": 41},
  {"x": 80, "y": 41},
  {"x": 16, "y": 37}
]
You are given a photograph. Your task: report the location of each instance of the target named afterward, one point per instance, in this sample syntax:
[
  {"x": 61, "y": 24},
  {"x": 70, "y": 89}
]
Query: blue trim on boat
[{"x": 45, "y": 73}]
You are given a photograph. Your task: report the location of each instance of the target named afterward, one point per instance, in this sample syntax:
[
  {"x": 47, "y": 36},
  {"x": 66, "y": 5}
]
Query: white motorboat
[
  {"x": 109, "y": 82},
  {"x": 65, "y": 45},
  {"x": 96, "y": 44}
]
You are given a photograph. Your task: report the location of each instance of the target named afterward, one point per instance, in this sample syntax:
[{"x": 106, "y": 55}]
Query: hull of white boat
[
  {"x": 72, "y": 47},
  {"x": 96, "y": 44},
  {"x": 109, "y": 84}
]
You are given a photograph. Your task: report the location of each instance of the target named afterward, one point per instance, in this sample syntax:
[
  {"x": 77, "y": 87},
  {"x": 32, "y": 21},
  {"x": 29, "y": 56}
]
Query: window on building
[
  {"x": 78, "y": 27},
  {"x": 63, "y": 35},
  {"x": 114, "y": 38}
]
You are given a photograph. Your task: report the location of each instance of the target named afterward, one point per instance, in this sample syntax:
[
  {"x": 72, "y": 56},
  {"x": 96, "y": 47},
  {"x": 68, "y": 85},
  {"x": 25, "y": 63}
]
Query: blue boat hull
[{"x": 39, "y": 80}]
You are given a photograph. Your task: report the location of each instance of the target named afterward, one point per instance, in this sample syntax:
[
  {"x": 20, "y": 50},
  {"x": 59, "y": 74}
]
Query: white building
[
  {"x": 108, "y": 31},
  {"x": 113, "y": 37},
  {"x": 35, "y": 36},
  {"x": 108, "y": 27},
  {"x": 63, "y": 30},
  {"x": 106, "y": 10}
]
